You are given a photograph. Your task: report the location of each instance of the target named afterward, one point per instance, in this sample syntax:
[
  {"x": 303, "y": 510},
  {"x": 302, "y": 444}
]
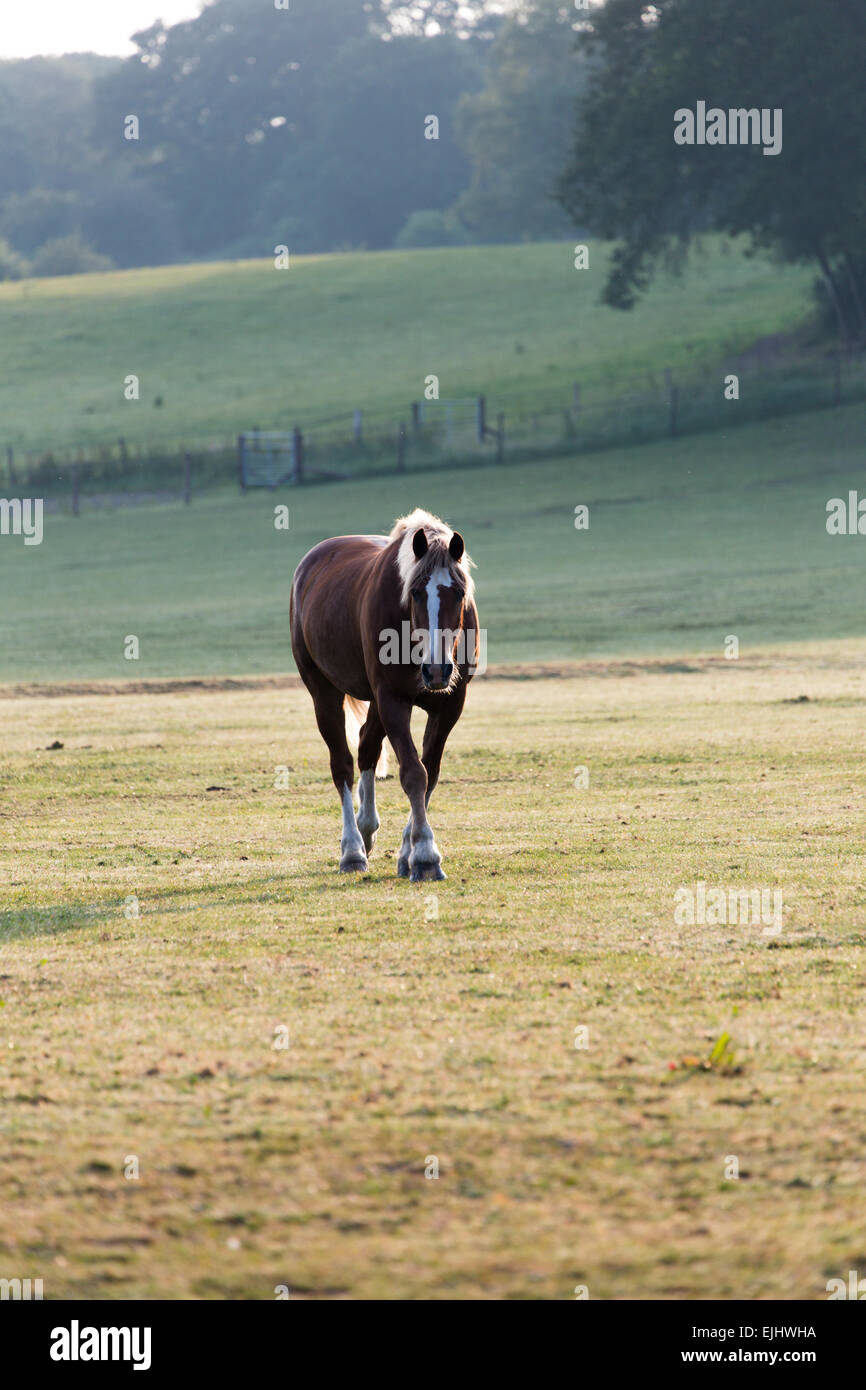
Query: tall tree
[
  {"x": 371, "y": 163},
  {"x": 222, "y": 100},
  {"x": 633, "y": 183}
]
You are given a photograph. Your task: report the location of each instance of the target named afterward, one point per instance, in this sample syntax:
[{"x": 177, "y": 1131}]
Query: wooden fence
[{"x": 463, "y": 431}]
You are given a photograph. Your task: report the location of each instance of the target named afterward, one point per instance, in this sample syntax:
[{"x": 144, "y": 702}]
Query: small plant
[{"x": 722, "y": 1058}]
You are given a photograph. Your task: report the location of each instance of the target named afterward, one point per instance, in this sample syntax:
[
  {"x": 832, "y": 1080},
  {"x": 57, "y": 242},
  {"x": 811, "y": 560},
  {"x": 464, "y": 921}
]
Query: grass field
[
  {"x": 689, "y": 541},
  {"x": 231, "y": 346},
  {"x": 167, "y": 909},
  {"x": 438, "y": 1024}
]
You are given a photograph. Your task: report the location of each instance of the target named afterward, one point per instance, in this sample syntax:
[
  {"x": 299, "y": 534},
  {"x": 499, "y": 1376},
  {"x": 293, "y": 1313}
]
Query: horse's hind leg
[
  {"x": 369, "y": 748},
  {"x": 328, "y": 703}
]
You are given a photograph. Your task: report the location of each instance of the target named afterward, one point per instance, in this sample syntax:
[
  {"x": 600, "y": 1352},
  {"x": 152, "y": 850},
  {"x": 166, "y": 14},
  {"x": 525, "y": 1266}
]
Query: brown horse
[{"x": 379, "y": 624}]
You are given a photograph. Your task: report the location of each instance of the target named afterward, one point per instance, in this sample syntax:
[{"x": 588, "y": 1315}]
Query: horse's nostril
[{"x": 442, "y": 673}]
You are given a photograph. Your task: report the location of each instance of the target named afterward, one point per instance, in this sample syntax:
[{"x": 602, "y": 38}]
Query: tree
[
  {"x": 16, "y": 161},
  {"x": 55, "y": 183},
  {"x": 631, "y": 182},
  {"x": 259, "y": 126},
  {"x": 29, "y": 219},
  {"x": 460, "y": 17},
  {"x": 128, "y": 220},
  {"x": 517, "y": 130},
  {"x": 45, "y": 114},
  {"x": 221, "y": 102},
  {"x": 67, "y": 255},
  {"x": 431, "y": 227},
  {"x": 370, "y": 164},
  {"x": 12, "y": 266}
]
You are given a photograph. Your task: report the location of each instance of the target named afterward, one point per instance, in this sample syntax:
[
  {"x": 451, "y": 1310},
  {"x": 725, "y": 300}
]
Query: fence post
[
  {"x": 416, "y": 417},
  {"x": 124, "y": 456},
  {"x": 481, "y": 419},
  {"x": 356, "y": 426},
  {"x": 674, "y": 404},
  {"x": 10, "y": 460},
  {"x": 500, "y": 437},
  {"x": 242, "y": 476},
  {"x": 401, "y": 448},
  {"x": 297, "y": 455},
  {"x": 187, "y": 479},
  {"x": 75, "y": 501}
]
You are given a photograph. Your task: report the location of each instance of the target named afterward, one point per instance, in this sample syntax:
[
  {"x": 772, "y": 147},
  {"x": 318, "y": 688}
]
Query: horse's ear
[
  {"x": 419, "y": 543},
  {"x": 456, "y": 546}
]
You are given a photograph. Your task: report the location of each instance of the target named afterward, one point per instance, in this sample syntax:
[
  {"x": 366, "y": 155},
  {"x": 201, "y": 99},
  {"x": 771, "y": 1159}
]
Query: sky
[{"x": 82, "y": 26}]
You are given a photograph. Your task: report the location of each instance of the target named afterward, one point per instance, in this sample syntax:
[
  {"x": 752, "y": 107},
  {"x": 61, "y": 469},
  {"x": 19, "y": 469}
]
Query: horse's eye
[{"x": 417, "y": 595}]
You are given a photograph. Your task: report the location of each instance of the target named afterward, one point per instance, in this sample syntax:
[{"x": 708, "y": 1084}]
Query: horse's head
[{"x": 436, "y": 603}]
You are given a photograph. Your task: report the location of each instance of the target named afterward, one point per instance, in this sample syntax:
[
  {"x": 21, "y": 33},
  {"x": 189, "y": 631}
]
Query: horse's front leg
[
  {"x": 424, "y": 860},
  {"x": 440, "y": 722}
]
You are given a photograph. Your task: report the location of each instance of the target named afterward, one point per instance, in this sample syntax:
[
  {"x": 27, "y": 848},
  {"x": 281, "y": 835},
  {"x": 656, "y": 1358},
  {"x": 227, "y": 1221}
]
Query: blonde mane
[{"x": 413, "y": 571}]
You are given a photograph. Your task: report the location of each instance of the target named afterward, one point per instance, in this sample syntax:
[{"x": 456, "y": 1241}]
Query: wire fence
[
  {"x": 475, "y": 431},
  {"x": 442, "y": 433}
]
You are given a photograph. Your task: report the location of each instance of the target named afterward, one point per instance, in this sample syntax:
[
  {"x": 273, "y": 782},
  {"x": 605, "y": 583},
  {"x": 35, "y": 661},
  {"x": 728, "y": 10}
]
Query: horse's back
[
  {"x": 340, "y": 550},
  {"x": 326, "y": 592}
]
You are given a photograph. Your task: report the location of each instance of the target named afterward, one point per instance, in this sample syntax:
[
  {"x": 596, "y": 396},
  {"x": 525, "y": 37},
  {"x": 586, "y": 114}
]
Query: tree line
[
  {"x": 310, "y": 127},
  {"x": 255, "y": 127}
]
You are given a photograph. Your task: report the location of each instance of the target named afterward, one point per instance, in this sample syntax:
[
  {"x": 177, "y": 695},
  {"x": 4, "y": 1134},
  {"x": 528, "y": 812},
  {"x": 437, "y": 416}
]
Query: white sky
[{"x": 82, "y": 26}]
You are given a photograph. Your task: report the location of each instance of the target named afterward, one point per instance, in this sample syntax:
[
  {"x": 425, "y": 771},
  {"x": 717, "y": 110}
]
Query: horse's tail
[{"x": 356, "y": 713}]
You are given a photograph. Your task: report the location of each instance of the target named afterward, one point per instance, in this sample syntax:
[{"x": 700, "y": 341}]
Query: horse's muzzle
[{"x": 436, "y": 677}]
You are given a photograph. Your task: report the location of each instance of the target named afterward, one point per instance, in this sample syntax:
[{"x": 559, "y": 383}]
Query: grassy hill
[
  {"x": 228, "y": 346},
  {"x": 689, "y": 540}
]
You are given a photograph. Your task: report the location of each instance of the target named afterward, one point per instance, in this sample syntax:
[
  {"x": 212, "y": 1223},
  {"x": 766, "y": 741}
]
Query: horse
[{"x": 380, "y": 624}]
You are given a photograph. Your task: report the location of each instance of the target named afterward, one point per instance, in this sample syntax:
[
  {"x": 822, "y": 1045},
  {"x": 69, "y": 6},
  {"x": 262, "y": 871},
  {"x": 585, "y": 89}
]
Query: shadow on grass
[{"x": 18, "y": 924}]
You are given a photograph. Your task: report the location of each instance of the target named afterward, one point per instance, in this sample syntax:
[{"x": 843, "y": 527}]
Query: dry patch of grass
[{"x": 437, "y": 1021}]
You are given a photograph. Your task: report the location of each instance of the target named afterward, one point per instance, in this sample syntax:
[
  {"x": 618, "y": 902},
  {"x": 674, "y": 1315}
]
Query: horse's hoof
[
  {"x": 355, "y": 865},
  {"x": 402, "y": 868},
  {"x": 426, "y": 873},
  {"x": 369, "y": 840}
]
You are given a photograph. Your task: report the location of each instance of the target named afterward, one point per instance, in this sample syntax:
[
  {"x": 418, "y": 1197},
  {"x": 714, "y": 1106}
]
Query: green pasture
[
  {"x": 689, "y": 541},
  {"x": 222, "y": 347}
]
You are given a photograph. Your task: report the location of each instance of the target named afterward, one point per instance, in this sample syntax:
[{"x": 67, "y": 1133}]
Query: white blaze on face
[{"x": 439, "y": 578}]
